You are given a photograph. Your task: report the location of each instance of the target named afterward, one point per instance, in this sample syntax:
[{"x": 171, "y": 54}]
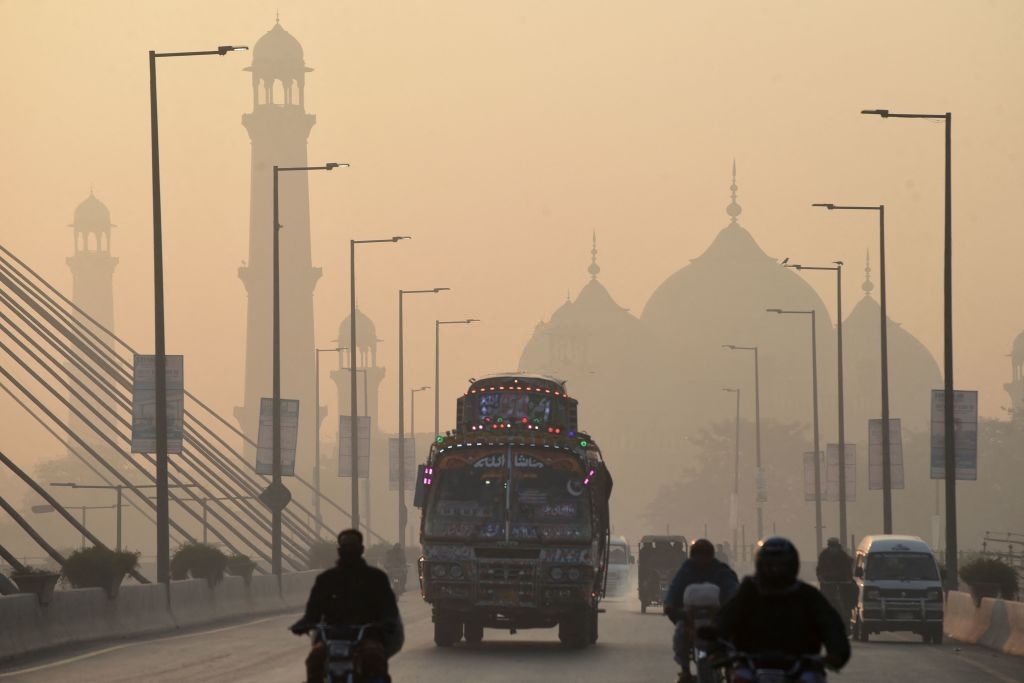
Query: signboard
[
  {"x": 144, "y": 403},
  {"x": 809, "y": 477},
  {"x": 410, "y": 463},
  {"x": 831, "y": 492},
  {"x": 875, "y": 454},
  {"x": 965, "y": 434},
  {"x": 289, "y": 436},
  {"x": 345, "y": 446}
]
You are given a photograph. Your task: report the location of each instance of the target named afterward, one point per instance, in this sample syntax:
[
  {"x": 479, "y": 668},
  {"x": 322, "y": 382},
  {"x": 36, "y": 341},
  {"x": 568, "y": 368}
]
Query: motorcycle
[
  {"x": 700, "y": 609},
  {"x": 766, "y": 666},
  {"x": 343, "y": 645},
  {"x": 398, "y": 576},
  {"x": 838, "y": 594}
]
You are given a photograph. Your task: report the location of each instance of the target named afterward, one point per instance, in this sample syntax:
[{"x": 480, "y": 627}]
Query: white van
[
  {"x": 899, "y": 588},
  {"x": 620, "y": 567}
]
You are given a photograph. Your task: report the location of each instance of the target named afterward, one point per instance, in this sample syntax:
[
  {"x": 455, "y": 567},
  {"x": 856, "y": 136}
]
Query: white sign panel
[
  {"x": 345, "y": 446},
  {"x": 875, "y": 454},
  {"x": 965, "y": 434},
  {"x": 832, "y": 472},
  {"x": 289, "y": 436},
  {"x": 144, "y": 403},
  {"x": 410, "y": 463}
]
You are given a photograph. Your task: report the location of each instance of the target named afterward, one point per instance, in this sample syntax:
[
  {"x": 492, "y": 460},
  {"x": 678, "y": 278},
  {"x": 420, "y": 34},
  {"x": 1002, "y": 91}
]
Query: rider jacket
[
  {"x": 355, "y": 593},
  {"x": 689, "y": 573},
  {"x": 795, "y": 621},
  {"x": 834, "y": 565}
]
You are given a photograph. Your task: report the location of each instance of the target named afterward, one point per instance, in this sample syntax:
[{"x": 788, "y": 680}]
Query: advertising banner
[
  {"x": 410, "y": 463},
  {"x": 144, "y": 403},
  {"x": 289, "y": 436},
  {"x": 832, "y": 473},
  {"x": 345, "y": 446},
  {"x": 875, "y": 454},
  {"x": 965, "y": 430}
]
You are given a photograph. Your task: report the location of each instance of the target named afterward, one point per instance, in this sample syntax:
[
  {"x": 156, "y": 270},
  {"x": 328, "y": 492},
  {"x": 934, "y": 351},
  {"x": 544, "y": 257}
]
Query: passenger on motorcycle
[
  {"x": 773, "y": 611},
  {"x": 353, "y": 593},
  {"x": 701, "y": 567}
]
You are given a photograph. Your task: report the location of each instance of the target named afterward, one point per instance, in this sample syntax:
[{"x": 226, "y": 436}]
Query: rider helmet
[
  {"x": 777, "y": 564},
  {"x": 834, "y": 543}
]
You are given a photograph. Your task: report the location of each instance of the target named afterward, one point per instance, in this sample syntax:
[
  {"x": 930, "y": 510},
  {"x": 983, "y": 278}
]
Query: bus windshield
[
  {"x": 549, "y": 500},
  {"x": 469, "y": 498}
]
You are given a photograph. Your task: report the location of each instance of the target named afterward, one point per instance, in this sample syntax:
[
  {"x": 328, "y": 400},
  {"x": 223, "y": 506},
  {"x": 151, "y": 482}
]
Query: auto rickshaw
[{"x": 658, "y": 558}]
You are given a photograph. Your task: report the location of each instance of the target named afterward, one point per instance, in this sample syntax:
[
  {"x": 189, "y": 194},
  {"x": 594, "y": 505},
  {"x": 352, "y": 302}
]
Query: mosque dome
[
  {"x": 92, "y": 215},
  {"x": 366, "y": 332}
]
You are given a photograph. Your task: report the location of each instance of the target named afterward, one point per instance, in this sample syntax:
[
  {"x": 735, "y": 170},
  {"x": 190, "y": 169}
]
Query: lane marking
[{"x": 113, "y": 648}]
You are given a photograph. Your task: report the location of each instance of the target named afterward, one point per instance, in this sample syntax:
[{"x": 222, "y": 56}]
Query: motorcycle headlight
[
  {"x": 455, "y": 572},
  {"x": 574, "y": 574},
  {"x": 557, "y": 573},
  {"x": 438, "y": 571}
]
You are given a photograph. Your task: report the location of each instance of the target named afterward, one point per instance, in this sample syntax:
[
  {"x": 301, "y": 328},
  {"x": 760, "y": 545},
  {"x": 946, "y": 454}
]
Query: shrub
[
  {"x": 98, "y": 567},
  {"x": 200, "y": 561},
  {"x": 240, "y": 565},
  {"x": 990, "y": 570},
  {"x": 26, "y": 570},
  {"x": 322, "y": 555}
]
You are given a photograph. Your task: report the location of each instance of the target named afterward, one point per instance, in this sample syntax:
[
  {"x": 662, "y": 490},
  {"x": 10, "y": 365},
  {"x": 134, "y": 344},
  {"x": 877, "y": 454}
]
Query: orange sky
[{"x": 499, "y": 135}]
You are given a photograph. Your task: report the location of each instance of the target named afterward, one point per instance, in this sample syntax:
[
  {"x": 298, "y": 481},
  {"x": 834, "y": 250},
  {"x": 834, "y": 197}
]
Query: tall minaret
[
  {"x": 92, "y": 271},
  {"x": 278, "y": 129}
]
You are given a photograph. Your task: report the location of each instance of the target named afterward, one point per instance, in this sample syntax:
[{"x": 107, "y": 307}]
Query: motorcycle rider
[
  {"x": 701, "y": 567},
  {"x": 774, "y": 611},
  {"x": 353, "y": 593},
  {"x": 835, "y": 566},
  {"x": 395, "y": 565}
]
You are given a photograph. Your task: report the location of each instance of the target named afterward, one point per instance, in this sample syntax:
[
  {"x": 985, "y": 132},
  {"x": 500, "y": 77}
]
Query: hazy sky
[{"x": 500, "y": 135}]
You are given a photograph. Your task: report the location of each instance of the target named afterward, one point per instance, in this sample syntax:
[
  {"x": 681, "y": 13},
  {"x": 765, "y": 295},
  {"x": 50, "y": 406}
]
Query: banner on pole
[
  {"x": 809, "y": 477},
  {"x": 832, "y": 473},
  {"x": 965, "y": 434},
  {"x": 345, "y": 446},
  {"x": 875, "y": 454},
  {"x": 410, "y": 463},
  {"x": 144, "y": 403},
  {"x": 289, "y": 436}
]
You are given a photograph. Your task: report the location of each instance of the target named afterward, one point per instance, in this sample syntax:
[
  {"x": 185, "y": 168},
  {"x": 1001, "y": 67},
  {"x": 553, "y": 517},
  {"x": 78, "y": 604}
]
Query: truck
[{"x": 515, "y": 515}]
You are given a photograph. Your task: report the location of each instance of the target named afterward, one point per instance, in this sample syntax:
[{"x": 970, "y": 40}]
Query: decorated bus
[{"x": 515, "y": 524}]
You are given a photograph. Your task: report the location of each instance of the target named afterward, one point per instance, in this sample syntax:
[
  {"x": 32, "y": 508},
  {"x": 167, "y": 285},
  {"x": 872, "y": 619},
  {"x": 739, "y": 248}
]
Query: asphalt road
[{"x": 632, "y": 647}]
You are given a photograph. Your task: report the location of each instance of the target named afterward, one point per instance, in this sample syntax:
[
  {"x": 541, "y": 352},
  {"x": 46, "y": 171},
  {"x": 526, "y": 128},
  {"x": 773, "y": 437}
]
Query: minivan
[{"x": 899, "y": 588}]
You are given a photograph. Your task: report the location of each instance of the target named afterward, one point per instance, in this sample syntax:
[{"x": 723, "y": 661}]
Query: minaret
[
  {"x": 278, "y": 128},
  {"x": 92, "y": 271}
]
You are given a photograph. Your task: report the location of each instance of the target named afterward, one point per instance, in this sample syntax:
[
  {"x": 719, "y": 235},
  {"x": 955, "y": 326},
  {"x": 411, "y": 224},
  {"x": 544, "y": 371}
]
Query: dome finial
[
  {"x": 594, "y": 269},
  {"x": 277, "y": 16},
  {"x": 733, "y": 209},
  {"x": 868, "y": 285}
]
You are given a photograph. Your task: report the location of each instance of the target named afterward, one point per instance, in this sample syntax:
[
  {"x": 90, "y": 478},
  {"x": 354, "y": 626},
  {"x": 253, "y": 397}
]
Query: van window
[
  {"x": 901, "y": 567},
  {"x": 617, "y": 555}
]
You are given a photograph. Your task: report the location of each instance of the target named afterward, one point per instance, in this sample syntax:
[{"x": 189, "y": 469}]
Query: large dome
[
  {"x": 366, "y": 332},
  {"x": 277, "y": 54},
  {"x": 92, "y": 215}
]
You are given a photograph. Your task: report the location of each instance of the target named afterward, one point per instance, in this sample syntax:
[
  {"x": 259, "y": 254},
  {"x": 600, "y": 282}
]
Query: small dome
[
  {"x": 366, "y": 332},
  {"x": 278, "y": 55},
  {"x": 92, "y": 215},
  {"x": 1018, "y": 349}
]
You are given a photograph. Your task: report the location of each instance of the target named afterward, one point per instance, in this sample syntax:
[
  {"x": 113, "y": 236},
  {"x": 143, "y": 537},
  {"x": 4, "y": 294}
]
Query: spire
[
  {"x": 277, "y": 18},
  {"x": 868, "y": 285},
  {"x": 733, "y": 209},
  {"x": 594, "y": 269}
]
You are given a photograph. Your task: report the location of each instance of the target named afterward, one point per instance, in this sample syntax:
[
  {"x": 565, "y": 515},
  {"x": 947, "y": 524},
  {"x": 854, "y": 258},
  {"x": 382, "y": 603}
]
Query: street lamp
[
  {"x": 948, "y": 440},
  {"x": 43, "y": 509},
  {"x": 757, "y": 436},
  {"x": 163, "y": 520},
  {"x": 838, "y": 268},
  {"x": 316, "y": 452},
  {"x": 886, "y": 451},
  {"x": 352, "y": 370},
  {"x": 437, "y": 366},
  {"x": 402, "y": 512},
  {"x": 814, "y": 400},
  {"x": 734, "y": 503},
  {"x": 280, "y": 497}
]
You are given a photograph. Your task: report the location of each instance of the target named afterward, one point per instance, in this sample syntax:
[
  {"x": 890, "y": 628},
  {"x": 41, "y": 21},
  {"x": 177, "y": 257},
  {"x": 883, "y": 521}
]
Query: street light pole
[
  {"x": 353, "y": 407},
  {"x": 316, "y": 452},
  {"x": 838, "y": 268},
  {"x": 884, "y": 324},
  {"x": 163, "y": 520},
  {"x": 275, "y": 552},
  {"x": 402, "y": 512},
  {"x": 949, "y": 435},
  {"x": 437, "y": 366},
  {"x": 761, "y": 485},
  {"x": 734, "y": 504},
  {"x": 814, "y": 400}
]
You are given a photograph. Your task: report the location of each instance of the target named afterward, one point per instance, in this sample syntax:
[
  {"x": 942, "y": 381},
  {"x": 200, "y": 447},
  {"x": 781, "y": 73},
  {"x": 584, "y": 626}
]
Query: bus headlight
[
  {"x": 438, "y": 571},
  {"x": 574, "y": 574},
  {"x": 455, "y": 572},
  {"x": 557, "y": 573}
]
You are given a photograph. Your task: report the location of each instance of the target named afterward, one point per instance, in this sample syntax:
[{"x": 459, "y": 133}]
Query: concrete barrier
[
  {"x": 19, "y": 623},
  {"x": 996, "y": 624},
  {"x": 1014, "y": 644},
  {"x": 958, "y": 620}
]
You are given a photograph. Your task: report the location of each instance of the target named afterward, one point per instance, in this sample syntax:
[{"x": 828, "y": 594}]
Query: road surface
[{"x": 632, "y": 647}]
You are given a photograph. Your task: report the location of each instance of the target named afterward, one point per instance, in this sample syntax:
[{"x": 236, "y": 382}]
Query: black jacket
[
  {"x": 797, "y": 621},
  {"x": 834, "y": 565},
  {"x": 353, "y": 594},
  {"x": 689, "y": 573}
]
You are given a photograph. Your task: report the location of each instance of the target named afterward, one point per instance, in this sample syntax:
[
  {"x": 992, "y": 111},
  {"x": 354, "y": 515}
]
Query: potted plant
[
  {"x": 322, "y": 555},
  {"x": 241, "y": 565},
  {"x": 36, "y": 580},
  {"x": 989, "y": 577},
  {"x": 99, "y": 567},
  {"x": 200, "y": 561}
]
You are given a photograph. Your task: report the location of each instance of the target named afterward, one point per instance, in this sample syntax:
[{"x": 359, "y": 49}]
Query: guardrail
[
  {"x": 87, "y": 614},
  {"x": 997, "y": 624}
]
